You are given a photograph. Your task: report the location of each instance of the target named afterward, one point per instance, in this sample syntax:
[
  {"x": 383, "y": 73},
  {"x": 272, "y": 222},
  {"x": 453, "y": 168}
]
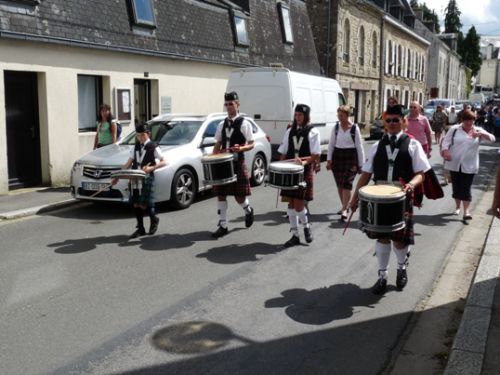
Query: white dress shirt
[
  {"x": 344, "y": 140},
  {"x": 142, "y": 152},
  {"x": 419, "y": 160},
  {"x": 465, "y": 149},
  {"x": 314, "y": 142}
]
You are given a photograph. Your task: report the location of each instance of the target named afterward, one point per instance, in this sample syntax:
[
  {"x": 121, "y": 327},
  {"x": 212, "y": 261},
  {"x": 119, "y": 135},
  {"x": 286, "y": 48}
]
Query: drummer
[
  {"x": 409, "y": 163},
  {"x": 143, "y": 156},
  {"x": 234, "y": 134},
  {"x": 301, "y": 144}
]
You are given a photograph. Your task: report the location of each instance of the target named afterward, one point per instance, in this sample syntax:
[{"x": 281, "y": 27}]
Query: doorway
[
  {"x": 142, "y": 100},
  {"x": 23, "y": 129}
]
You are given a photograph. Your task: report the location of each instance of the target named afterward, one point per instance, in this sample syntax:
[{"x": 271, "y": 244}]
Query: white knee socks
[
  {"x": 302, "y": 215},
  {"x": 294, "y": 221},
  {"x": 246, "y": 206},
  {"x": 383, "y": 252},
  {"x": 222, "y": 212},
  {"x": 402, "y": 256}
]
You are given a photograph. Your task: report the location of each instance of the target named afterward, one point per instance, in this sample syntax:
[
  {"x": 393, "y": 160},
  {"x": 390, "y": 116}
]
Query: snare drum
[
  {"x": 381, "y": 208},
  {"x": 218, "y": 169},
  {"x": 129, "y": 174},
  {"x": 285, "y": 175}
]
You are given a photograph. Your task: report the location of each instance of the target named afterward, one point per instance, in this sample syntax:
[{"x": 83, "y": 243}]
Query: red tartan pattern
[
  {"x": 302, "y": 193},
  {"x": 345, "y": 166},
  {"x": 239, "y": 188}
]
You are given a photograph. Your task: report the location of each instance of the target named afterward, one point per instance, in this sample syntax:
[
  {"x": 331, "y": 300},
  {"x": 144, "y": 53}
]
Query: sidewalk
[{"x": 27, "y": 202}]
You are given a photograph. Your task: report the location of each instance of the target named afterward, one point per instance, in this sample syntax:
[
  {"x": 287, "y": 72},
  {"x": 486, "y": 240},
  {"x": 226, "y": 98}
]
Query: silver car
[{"x": 184, "y": 140}]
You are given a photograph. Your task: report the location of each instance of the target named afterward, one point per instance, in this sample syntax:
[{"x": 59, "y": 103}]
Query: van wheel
[
  {"x": 183, "y": 189},
  {"x": 258, "y": 170}
]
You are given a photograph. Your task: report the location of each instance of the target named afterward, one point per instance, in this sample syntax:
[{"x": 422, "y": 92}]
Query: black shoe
[
  {"x": 154, "y": 225},
  {"x": 139, "y": 232},
  {"x": 308, "y": 234},
  {"x": 249, "y": 218},
  {"x": 401, "y": 279},
  {"x": 292, "y": 241},
  {"x": 220, "y": 232},
  {"x": 380, "y": 287}
]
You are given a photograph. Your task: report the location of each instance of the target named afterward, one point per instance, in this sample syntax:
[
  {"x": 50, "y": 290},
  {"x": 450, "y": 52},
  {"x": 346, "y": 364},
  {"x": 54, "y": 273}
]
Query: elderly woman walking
[
  {"x": 460, "y": 151},
  {"x": 345, "y": 156}
]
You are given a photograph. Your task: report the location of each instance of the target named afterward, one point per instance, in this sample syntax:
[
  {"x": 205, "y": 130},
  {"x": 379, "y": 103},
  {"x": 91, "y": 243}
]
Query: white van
[{"x": 269, "y": 95}]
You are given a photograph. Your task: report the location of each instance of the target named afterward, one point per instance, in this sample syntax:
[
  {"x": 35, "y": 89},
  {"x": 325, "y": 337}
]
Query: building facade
[
  {"x": 489, "y": 73},
  {"x": 61, "y": 58}
]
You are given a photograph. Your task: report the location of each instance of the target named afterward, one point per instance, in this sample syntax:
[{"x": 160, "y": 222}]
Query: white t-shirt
[
  {"x": 246, "y": 129},
  {"x": 344, "y": 140},
  {"x": 314, "y": 142},
  {"x": 419, "y": 160}
]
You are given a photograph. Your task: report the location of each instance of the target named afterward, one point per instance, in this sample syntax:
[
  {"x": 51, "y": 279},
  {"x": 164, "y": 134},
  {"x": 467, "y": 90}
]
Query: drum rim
[
  {"x": 217, "y": 157},
  {"x": 291, "y": 168},
  {"x": 382, "y": 228},
  {"x": 224, "y": 181},
  {"x": 382, "y": 198}
]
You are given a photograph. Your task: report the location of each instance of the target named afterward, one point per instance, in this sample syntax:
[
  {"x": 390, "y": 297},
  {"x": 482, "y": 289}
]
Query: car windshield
[
  {"x": 171, "y": 133},
  {"x": 442, "y": 102}
]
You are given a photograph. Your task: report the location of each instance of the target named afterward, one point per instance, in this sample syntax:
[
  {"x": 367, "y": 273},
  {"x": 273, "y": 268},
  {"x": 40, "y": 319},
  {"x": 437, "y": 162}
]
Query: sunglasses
[
  {"x": 395, "y": 120},
  {"x": 229, "y": 104}
]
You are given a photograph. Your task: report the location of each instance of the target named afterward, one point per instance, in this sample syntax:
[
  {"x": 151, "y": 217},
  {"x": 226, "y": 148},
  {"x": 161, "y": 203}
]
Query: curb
[
  {"x": 469, "y": 346},
  {"x": 36, "y": 210}
]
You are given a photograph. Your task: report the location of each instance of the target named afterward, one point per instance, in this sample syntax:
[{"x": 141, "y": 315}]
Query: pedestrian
[
  {"x": 496, "y": 197},
  {"x": 461, "y": 112},
  {"x": 439, "y": 123},
  {"x": 460, "y": 151},
  {"x": 452, "y": 118},
  {"x": 235, "y": 135},
  {"x": 345, "y": 156},
  {"x": 301, "y": 144},
  {"x": 144, "y": 156},
  {"x": 398, "y": 153},
  {"x": 106, "y": 127},
  {"x": 418, "y": 126}
]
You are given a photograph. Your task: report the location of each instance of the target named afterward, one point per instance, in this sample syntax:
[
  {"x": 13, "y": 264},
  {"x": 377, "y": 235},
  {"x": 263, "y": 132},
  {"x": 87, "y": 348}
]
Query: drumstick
[
  {"x": 348, "y": 222},
  {"x": 277, "y": 197},
  {"x": 101, "y": 190}
]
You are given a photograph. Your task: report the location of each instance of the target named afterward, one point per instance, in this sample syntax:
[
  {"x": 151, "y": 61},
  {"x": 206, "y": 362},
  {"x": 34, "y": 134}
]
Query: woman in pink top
[{"x": 418, "y": 126}]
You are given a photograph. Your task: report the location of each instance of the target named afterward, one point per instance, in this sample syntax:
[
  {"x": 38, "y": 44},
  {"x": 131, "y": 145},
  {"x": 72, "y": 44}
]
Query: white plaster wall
[{"x": 193, "y": 87}]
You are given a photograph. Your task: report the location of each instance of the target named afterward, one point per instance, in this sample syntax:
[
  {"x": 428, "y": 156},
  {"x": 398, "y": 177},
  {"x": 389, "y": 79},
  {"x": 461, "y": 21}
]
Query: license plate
[{"x": 93, "y": 185}]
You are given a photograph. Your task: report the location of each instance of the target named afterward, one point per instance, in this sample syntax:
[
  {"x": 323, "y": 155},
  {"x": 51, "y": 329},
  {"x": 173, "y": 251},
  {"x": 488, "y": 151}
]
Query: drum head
[
  {"x": 286, "y": 167},
  {"x": 215, "y": 158},
  {"x": 381, "y": 191}
]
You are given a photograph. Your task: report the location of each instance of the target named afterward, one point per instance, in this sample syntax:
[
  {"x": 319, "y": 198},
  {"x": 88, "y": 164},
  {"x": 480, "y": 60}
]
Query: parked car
[
  {"x": 429, "y": 111},
  {"x": 377, "y": 126},
  {"x": 446, "y": 103},
  {"x": 183, "y": 139}
]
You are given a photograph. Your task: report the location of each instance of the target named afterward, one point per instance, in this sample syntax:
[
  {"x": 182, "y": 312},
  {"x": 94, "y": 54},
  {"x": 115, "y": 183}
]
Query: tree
[
  {"x": 471, "y": 56},
  {"x": 414, "y": 3},
  {"x": 431, "y": 16},
  {"x": 452, "y": 22}
]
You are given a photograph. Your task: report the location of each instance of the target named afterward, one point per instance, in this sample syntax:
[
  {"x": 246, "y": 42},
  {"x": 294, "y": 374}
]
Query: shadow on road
[
  {"x": 81, "y": 245},
  {"x": 232, "y": 254}
]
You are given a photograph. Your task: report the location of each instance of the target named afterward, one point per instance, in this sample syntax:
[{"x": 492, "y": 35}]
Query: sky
[{"x": 483, "y": 14}]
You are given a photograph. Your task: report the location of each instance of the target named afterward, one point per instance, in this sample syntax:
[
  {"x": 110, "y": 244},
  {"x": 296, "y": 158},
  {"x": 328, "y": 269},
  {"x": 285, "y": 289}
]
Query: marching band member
[
  {"x": 301, "y": 143},
  {"x": 234, "y": 134},
  {"x": 143, "y": 156},
  {"x": 396, "y": 157}
]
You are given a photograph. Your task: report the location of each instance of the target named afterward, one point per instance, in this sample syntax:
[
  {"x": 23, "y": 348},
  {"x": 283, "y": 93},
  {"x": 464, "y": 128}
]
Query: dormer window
[
  {"x": 285, "y": 22},
  {"x": 143, "y": 13},
  {"x": 240, "y": 30}
]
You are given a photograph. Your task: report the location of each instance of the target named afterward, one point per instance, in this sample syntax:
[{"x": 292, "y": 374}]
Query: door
[
  {"x": 142, "y": 100},
  {"x": 23, "y": 130}
]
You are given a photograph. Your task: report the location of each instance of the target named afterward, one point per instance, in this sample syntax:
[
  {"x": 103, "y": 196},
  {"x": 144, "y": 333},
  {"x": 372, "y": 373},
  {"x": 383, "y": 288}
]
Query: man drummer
[
  {"x": 399, "y": 160},
  {"x": 143, "y": 156},
  {"x": 235, "y": 135},
  {"x": 301, "y": 144}
]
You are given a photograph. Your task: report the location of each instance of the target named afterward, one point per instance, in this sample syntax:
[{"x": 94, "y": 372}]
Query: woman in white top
[
  {"x": 345, "y": 156},
  {"x": 460, "y": 151}
]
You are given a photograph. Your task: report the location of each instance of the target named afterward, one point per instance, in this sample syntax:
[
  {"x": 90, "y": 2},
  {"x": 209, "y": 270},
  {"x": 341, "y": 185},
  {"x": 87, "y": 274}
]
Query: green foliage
[
  {"x": 471, "y": 56},
  {"x": 452, "y": 22},
  {"x": 430, "y": 15}
]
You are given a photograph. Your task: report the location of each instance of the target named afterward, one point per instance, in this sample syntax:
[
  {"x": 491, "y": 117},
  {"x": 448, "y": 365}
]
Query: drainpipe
[
  {"x": 381, "y": 66},
  {"x": 328, "y": 38}
]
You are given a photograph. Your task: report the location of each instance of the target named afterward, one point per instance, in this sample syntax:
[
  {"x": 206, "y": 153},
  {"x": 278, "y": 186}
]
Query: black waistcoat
[
  {"x": 237, "y": 138},
  {"x": 304, "y": 150},
  {"x": 403, "y": 167},
  {"x": 149, "y": 157}
]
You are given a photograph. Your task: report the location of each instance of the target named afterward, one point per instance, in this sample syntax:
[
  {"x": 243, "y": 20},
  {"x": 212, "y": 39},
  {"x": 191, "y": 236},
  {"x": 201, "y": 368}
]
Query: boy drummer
[
  {"x": 396, "y": 157},
  {"x": 143, "y": 156},
  {"x": 234, "y": 134},
  {"x": 302, "y": 144}
]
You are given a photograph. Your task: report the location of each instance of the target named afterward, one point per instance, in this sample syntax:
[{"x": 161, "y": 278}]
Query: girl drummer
[
  {"x": 395, "y": 159},
  {"x": 301, "y": 144}
]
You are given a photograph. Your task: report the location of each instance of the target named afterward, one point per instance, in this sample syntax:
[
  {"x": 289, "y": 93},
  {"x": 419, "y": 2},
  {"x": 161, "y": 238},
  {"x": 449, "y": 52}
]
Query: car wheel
[
  {"x": 258, "y": 170},
  {"x": 183, "y": 189}
]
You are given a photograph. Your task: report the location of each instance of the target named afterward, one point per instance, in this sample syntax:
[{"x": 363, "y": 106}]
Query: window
[
  {"x": 286, "y": 24},
  {"x": 240, "y": 30},
  {"x": 400, "y": 61},
  {"x": 374, "y": 50},
  {"x": 143, "y": 13},
  {"x": 89, "y": 100},
  {"x": 361, "y": 50},
  {"x": 347, "y": 41}
]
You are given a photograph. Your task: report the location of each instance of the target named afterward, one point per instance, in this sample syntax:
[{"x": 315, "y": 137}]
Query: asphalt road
[{"x": 78, "y": 297}]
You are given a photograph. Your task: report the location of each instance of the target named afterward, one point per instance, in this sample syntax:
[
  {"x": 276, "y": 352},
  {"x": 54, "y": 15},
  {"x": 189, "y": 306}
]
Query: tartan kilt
[
  {"x": 302, "y": 193},
  {"x": 405, "y": 235},
  {"x": 345, "y": 166},
  {"x": 239, "y": 188},
  {"x": 145, "y": 196}
]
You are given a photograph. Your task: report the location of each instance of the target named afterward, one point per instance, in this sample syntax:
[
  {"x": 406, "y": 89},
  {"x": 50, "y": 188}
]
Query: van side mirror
[{"x": 208, "y": 142}]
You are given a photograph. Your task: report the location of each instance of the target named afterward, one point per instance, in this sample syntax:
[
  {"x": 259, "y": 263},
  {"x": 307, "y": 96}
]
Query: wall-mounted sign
[{"x": 123, "y": 104}]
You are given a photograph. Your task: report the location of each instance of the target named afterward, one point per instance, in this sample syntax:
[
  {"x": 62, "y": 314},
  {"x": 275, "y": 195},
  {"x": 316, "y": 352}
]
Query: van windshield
[{"x": 445, "y": 103}]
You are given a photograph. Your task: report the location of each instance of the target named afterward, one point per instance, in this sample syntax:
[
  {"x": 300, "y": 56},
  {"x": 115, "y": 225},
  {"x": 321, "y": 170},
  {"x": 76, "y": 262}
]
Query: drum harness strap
[
  {"x": 297, "y": 143},
  {"x": 391, "y": 157}
]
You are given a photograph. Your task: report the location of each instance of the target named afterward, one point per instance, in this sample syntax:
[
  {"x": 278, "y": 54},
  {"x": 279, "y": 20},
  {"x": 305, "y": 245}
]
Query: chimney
[{"x": 419, "y": 13}]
